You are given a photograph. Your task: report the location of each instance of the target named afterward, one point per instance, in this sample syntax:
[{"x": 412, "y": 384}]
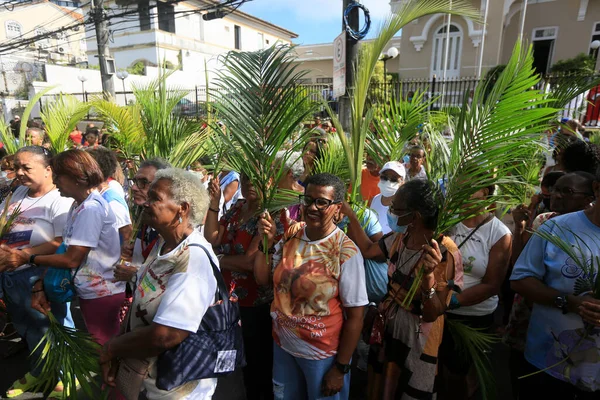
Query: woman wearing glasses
[
  {"x": 235, "y": 240},
  {"x": 414, "y": 167},
  {"x": 407, "y": 364},
  {"x": 318, "y": 278},
  {"x": 391, "y": 177}
]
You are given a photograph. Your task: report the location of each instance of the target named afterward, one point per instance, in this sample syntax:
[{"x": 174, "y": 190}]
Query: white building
[{"x": 177, "y": 35}]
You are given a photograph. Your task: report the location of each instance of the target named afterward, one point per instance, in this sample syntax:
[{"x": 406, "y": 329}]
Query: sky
[{"x": 315, "y": 21}]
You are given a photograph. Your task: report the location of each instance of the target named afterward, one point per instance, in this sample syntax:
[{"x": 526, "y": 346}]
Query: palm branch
[
  {"x": 125, "y": 125},
  {"x": 27, "y": 112},
  {"x": 9, "y": 140},
  {"x": 70, "y": 356},
  {"x": 61, "y": 117},
  {"x": 163, "y": 126},
  {"x": 476, "y": 344},
  {"x": 333, "y": 160},
  {"x": 7, "y": 220},
  {"x": 189, "y": 149},
  {"x": 364, "y": 68},
  {"x": 262, "y": 109}
]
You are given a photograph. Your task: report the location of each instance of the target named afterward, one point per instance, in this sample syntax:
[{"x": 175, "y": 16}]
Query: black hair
[
  {"x": 588, "y": 178},
  {"x": 157, "y": 163},
  {"x": 551, "y": 177},
  {"x": 561, "y": 142},
  {"x": 328, "y": 180},
  {"x": 93, "y": 131},
  {"x": 45, "y": 154},
  {"x": 319, "y": 150},
  {"x": 106, "y": 159},
  {"x": 418, "y": 148},
  {"x": 581, "y": 156},
  {"x": 420, "y": 195}
]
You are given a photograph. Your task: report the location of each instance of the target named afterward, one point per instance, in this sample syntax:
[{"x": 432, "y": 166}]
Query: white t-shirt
[
  {"x": 476, "y": 253},
  {"x": 420, "y": 175},
  {"x": 118, "y": 206},
  {"x": 116, "y": 186},
  {"x": 177, "y": 294},
  {"x": 92, "y": 224},
  {"x": 381, "y": 211},
  {"x": 41, "y": 220}
]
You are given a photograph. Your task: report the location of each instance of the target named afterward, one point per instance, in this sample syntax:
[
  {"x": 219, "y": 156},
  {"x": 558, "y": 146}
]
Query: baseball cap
[{"x": 395, "y": 166}]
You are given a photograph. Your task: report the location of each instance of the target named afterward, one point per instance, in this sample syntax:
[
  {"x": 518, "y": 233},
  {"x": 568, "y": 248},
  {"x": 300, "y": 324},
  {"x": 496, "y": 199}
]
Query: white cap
[{"x": 395, "y": 166}]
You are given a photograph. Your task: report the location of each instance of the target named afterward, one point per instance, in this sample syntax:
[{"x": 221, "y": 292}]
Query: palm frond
[
  {"x": 190, "y": 149},
  {"x": 61, "y": 117},
  {"x": 7, "y": 138},
  {"x": 27, "y": 112},
  {"x": 125, "y": 126},
  {"x": 333, "y": 160},
  {"x": 262, "y": 108},
  {"x": 70, "y": 356}
]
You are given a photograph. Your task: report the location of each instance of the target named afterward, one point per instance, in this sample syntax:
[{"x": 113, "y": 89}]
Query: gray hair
[
  {"x": 187, "y": 188},
  {"x": 157, "y": 163},
  {"x": 293, "y": 162}
]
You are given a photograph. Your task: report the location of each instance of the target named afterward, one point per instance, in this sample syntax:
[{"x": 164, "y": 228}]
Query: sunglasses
[
  {"x": 388, "y": 179},
  {"x": 320, "y": 203}
]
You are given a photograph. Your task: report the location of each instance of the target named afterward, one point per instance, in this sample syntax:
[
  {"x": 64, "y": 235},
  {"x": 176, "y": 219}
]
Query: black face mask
[{"x": 546, "y": 201}]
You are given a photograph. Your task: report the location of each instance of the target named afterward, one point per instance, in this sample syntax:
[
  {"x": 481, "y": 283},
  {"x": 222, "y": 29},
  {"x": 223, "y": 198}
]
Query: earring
[{"x": 180, "y": 220}]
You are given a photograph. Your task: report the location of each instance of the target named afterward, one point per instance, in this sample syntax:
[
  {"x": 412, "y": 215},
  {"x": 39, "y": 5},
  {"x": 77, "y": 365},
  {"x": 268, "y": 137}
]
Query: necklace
[{"x": 35, "y": 202}]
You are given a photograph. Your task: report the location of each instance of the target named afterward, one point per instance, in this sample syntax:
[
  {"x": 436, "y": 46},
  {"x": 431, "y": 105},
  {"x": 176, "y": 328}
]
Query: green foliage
[
  {"x": 7, "y": 138},
  {"x": 70, "y": 356},
  {"x": 262, "y": 110},
  {"x": 138, "y": 68},
  {"x": 333, "y": 160},
  {"x": 580, "y": 64},
  {"x": 27, "y": 112},
  {"x": 61, "y": 117}
]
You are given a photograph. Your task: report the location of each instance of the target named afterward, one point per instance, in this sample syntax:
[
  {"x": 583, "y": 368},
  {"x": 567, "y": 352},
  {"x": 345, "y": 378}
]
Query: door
[
  {"x": 454, "y": 52},
  {"x": 542, "y": 55}
]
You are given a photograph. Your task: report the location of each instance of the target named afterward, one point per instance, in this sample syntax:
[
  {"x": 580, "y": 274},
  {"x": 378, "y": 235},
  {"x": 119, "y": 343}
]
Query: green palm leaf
[
  {"x": 333, "y": 160},
  {"x": 262, "y": 109},
  {"x": 125, "y": 125},
  {"x": 61, "y": 117},
  {"x": 27, "y": 112},
  {"x": 7, "y": 138},
  {"x": 190, "y": 149}
]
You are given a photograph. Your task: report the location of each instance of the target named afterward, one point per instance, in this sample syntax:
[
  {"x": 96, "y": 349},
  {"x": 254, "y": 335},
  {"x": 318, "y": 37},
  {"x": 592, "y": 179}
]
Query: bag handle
[
  {"x": 485, "y": 221},
  {"x": 221, "y": 287}
]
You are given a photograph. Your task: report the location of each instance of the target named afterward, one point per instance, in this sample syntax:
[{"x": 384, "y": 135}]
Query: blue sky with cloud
[{"x": 315, "y": 21}]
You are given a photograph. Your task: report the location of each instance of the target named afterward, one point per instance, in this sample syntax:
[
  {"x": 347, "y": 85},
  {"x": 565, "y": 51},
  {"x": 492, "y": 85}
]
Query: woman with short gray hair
[{"x": 175, "y": 286}]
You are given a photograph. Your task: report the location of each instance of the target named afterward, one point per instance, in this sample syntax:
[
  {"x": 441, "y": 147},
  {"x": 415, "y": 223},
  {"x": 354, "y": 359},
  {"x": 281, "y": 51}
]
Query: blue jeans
[
  {"x": 29, "y": 323},
  {"x": 297, "y": 378}
]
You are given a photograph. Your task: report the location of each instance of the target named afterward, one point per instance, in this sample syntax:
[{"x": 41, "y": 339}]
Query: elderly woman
[
  {"x": 176, "y": 285},
  {"x": 412, "y": 336},
  {"x": 37, "y": 230},
  {"x": 92, "y": 246},
  {"x": 318, "y": 279},
  {"x": 414, "y": 167}
]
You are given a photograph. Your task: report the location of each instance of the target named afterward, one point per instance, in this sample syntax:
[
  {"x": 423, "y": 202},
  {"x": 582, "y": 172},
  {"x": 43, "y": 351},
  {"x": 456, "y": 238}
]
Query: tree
[{"x": 581, "y": 64}]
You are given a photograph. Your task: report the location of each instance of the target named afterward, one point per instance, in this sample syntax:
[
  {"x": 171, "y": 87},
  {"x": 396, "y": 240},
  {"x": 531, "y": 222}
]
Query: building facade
[
  {"x": 557, "y": 30},
  {"x": 177, "y": 35}
]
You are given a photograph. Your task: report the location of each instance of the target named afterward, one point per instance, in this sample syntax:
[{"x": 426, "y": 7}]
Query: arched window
[
  {"x": 13, "y": 29},
  {"x": 454, "y": 51}
]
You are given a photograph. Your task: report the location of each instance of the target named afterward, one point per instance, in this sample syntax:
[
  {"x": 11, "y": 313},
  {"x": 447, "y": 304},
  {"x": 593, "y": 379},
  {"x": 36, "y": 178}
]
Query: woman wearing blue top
[
  {"x": 565, "y": 321},
  {"x": 230, "y": 187}
]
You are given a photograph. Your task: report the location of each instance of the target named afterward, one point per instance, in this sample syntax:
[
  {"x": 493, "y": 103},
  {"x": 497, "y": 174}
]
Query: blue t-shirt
[
  {"x": 231, "y": 177},
  {"x": 376, "y": 275},
  {"x": 553, "y": 335}
]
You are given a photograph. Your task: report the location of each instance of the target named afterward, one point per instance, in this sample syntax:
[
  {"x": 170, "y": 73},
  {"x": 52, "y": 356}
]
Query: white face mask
[
  {"x": 387, "y": 188},
  {"x": 4, "y": 178}
]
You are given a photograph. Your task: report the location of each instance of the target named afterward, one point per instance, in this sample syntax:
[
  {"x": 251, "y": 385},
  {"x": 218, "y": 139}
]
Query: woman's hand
[
  {"x": 590, "y": 311},
  {"x": 12, "y": 258},
  {"x": 127, "y": 251},
  {"x": 214, "y": 191},
  {"x": 432, "y": 257},
  {"x": 124, "y": 272},
  {"x": 333, "y": 382},
  {"x": 39, "y": 301},
  {"x": 346, "y": 208},
  {"x": 266, "y": 226},
  {"x": 109, "y": 364},
  {"x": 521, "y": 216}
]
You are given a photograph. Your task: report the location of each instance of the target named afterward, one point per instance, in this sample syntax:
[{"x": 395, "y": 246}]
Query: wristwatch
[
  {"x": 343, "y": 368},
  {"x": 32, "y": 259},
  {"x": 562, "y": 303}
]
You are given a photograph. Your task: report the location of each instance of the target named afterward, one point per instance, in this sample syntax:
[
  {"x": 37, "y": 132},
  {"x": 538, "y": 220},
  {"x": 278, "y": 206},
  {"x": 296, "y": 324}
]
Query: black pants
[
  {"x": 545, "y": 386},
  {"x": 258, "y": 344}
]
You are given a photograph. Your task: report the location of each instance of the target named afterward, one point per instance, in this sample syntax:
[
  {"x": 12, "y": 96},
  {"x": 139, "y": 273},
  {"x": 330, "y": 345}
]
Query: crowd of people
[{"x": 321, "y": 286}]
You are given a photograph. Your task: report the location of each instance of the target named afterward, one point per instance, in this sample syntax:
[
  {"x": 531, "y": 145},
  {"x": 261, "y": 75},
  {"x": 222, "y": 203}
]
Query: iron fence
[{"x": 446, "y": 93}]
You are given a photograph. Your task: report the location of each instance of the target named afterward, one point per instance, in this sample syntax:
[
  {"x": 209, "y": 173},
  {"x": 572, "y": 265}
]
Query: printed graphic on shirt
[{"x": 16, "y": 239}]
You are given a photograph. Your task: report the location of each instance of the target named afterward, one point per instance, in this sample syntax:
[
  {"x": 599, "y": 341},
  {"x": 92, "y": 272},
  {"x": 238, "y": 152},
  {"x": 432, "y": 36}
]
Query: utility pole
[
  {"x": 102, "y": 33},
  {"x": 345, "y": 108}
]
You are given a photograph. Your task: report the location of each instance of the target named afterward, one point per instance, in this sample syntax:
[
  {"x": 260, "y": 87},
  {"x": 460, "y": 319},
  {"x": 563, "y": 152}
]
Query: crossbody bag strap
[
  {"x": 221, "y": 293},
  {"x": 485, "y": 221}
]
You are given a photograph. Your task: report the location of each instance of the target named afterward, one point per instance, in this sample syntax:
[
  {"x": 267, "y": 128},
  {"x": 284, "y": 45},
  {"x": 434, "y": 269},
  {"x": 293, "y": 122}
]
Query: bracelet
[
  {"x": 262, "y": 250},
  {"x": 32, "y": 259},
  {"x": 454, "y": 303},
  {"x": 213, "y": 210},
  {"x": 427, "y": 295}
]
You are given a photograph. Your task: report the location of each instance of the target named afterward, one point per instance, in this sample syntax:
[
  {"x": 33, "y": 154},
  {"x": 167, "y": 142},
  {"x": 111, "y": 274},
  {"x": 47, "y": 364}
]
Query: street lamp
[
  {"x": 82, "y": 79},
  {"x": 122, "y": 75},
  {"x": 594, "y": 46},
  {"x": 391, "y": 53}
]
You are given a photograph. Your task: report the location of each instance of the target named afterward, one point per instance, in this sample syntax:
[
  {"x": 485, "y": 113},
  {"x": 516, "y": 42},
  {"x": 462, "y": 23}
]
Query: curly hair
[
  {"x": 293, "y": 163},
  {"x": 106, "y": 159},
  {"x": 186, "y": 187},
  {"x": 581, "y": 156},
  {"x": 329, "y": 180},
  {"x": 420, "y": 195}
]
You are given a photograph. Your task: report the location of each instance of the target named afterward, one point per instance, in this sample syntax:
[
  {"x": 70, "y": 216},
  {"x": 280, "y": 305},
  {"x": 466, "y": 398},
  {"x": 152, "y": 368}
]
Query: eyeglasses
[
  {"x": 567, "y": 191},
  {"x": 141, "y": 183},
  {"x": 320, "y": 202},
  {"x": 417, "y": 156},
  {"x": 393, "y": 180}
]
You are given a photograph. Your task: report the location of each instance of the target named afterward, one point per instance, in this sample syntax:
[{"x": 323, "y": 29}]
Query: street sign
[{"x": 339, "y": 65}]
